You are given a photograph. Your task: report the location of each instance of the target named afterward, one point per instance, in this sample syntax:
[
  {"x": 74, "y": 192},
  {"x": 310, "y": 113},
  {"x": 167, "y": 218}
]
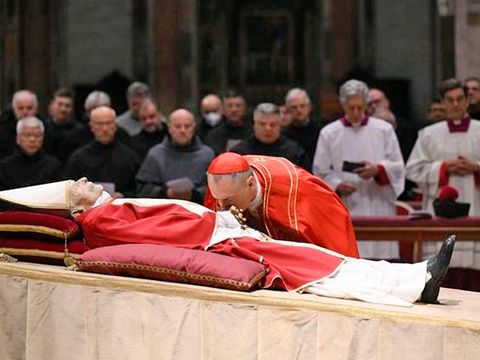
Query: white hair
[
  {"x": 96, "y": 99},
  {"x": 30, "y": 121},
  {"x": 21, "y": 93},
  {"x": 265, "y": 109},
  {"x": 138, "y": 89},
  {"x": 294, "y": 92},
  {"x": 353, "y": 88}
]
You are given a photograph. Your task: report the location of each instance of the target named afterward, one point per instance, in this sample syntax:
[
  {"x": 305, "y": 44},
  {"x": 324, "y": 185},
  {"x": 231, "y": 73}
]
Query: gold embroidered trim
[
  {"x": 36, "y": 229},
  {"x": 178, "y": 275},
  {"x": 292, "y": 196},
  {"x": 44, "y": 205},
  {"x": 35, "y": 252},
  {"x": 266, "y": 192},
  {"x": 7, "y": 258}
]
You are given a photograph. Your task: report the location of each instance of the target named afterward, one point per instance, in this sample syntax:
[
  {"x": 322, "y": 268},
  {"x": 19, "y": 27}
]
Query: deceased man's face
[{"x": 84, "y": 193}]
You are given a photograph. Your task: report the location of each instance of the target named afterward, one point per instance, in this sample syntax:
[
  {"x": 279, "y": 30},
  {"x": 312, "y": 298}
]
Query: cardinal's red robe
[
  {"x": 299, "y": 206},
  {"x": 188, "y": 225}
]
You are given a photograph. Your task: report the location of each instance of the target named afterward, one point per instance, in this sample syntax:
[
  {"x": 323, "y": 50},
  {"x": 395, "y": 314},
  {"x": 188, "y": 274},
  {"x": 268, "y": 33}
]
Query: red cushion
[
  {"x": 40, "y": 251},
  {"x": 25, "y": 221},
  {"x": 173, "y": 264}
]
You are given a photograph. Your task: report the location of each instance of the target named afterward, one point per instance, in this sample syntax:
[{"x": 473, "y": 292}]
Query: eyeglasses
[{"x": 31, "y": 135}]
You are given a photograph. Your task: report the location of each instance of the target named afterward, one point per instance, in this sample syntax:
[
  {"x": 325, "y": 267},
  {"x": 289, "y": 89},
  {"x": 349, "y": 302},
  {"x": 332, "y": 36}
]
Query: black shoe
[{"x": 437, "y": 266}]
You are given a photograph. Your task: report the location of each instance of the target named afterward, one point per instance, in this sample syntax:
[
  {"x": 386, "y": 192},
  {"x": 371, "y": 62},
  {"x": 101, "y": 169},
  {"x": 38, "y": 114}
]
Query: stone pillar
[
  {"x": 9, "y": 50},
  {"x": 27, "y": 40},
  {"x": 343, "y": 30},
  {"x": 403, "y": 49},
  {"x": 35, "y": 49},
  {"x": 176, "y": 82},
  {"x": 467, "y": 33}
]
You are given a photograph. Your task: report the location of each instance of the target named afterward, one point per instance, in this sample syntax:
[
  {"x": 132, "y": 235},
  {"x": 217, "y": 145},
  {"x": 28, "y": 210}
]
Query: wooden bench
[{"x": 405, "y": 229}]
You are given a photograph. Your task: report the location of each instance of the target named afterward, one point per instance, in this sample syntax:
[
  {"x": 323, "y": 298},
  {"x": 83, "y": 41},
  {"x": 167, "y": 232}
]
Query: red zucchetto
[
  {"x": 228, "y": 163},
  {"x": 448, "y": 193}
]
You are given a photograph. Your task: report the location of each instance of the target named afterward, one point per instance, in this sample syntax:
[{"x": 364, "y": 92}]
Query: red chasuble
[
  {"x": 128, "y": 223},
  {"x": 299, "y": 206},
  {"x": 291, "y": 267}
]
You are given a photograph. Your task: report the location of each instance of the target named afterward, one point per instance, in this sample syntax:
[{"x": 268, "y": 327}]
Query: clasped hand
[{"x": 462, "y": 166}]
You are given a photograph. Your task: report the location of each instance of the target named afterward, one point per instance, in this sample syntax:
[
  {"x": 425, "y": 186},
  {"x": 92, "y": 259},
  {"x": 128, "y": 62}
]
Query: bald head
[
  {"x": 102, "y": 124},
  {"x": 211, "y": 102},
  {"x": 181, "y": 127},
  {"x": 103, "y": 111}
]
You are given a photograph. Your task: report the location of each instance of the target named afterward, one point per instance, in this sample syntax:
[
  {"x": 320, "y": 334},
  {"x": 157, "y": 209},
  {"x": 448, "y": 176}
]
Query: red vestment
[
  {"x": 290, "y": 267},
  {"x": 299, "y": 206},
  {"x": 129, "y": 223}
]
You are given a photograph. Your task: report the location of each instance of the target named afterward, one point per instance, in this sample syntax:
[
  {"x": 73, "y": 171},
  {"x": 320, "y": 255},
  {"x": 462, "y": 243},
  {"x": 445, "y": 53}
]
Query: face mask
[{"x": 213, "y": 118}]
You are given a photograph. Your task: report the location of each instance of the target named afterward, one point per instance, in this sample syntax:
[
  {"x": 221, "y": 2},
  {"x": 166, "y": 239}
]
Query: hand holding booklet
[{"x": 180, "y": 185}]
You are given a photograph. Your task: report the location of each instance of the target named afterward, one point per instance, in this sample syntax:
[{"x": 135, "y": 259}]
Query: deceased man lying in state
[{"x": 293, "y": 266}]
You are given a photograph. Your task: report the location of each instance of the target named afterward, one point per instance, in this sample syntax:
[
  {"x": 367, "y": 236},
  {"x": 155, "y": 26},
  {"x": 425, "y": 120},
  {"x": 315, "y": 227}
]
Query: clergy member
[
  {"x": 448, "y": 153},
  {"x": 282, "y": 200},
  {"x": 29, "y": 165},
  {"x": 359, "y": 156},
  {"x": 105, "y": 159}
]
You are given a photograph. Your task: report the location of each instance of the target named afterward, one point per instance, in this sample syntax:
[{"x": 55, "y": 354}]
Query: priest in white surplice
[
  {"x": 448, "y": 153},
  {"x": 359, "y": 156}
]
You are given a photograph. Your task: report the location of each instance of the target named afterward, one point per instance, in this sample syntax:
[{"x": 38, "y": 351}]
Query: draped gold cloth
[{"x": 48, "y": 312}]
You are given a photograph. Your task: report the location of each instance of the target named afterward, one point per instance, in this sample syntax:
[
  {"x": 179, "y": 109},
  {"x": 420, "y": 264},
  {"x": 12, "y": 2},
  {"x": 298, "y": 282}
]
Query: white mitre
[{"x": 54, "y": 196}]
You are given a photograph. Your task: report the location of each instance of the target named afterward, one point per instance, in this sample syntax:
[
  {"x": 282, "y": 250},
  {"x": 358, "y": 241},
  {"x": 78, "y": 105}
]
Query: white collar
[{"x": 102, "y": 199}]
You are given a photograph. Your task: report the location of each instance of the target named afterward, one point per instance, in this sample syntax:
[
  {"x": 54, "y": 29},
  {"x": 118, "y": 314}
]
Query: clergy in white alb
[
  {"x": 372, "y": 183},
  {"x": 448, "y": 153}
]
